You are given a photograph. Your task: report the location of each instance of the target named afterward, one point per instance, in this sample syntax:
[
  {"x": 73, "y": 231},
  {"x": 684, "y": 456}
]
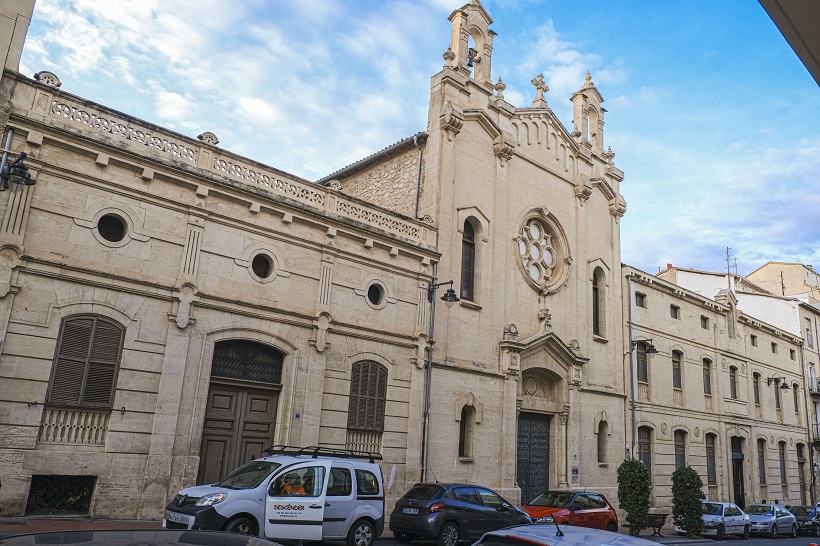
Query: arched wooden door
[{"x": 240, "y": 413}]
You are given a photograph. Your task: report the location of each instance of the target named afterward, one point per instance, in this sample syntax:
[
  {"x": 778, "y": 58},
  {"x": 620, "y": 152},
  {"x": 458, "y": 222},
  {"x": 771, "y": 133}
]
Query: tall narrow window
[
  {"x": 467, "y": 261},
  {"x": 707, "y": 376},
  {"x": 774, "y": 347},
  {"x": 801, "y": 472},
  {"x": 795, "y": 388},
  {"x": 782, "y": 454},
  {"x": 599, "y": 302},
  {"x": 603, "y": 440},
  {"x": 761, "y": 460},
  {"x": 643, "y": 370},
  {"x": 680, "y": 448},
  {"x": 674, "y": 311},
  {"x": 466, "y": 432},
  {"x": 704, "y": 322},
  {"x": 756, "y": 387},
  {"x": 733, "y": 382},
  {"x": 809, "y": 339},
  {"x": 711, "y": 460},
  {"x": 640, "y": 299},
  {"x": 368, "y": 394},
  {"x": 86, "y": 362},
  {"x": 777, "y": 394},
  {"x": 677, "y": 383},
  {"x": 645, "y": 448}
]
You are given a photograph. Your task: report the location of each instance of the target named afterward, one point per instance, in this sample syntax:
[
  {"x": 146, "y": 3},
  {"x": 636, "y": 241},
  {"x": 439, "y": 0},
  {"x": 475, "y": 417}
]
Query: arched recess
[{"x": 231, "y": 391}]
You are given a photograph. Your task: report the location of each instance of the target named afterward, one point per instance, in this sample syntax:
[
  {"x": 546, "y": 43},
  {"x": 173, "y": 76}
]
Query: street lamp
[
  {"x": 650, "y": 349},
  {"x": 784, "y": 386},
  {"x": 16, "y": 173},
  {"x": 449, "y": 298}
]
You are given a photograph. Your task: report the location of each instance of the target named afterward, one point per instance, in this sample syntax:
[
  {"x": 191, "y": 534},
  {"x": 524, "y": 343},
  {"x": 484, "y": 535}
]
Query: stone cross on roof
[{"x": 540, "y": 89}]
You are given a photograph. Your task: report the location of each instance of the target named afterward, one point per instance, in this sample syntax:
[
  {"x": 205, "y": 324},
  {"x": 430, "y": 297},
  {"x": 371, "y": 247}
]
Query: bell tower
[
  {"x": 471, "y": 22},
  {"x": 588, "y": 116},
  {"x": 14, "y": 20}
]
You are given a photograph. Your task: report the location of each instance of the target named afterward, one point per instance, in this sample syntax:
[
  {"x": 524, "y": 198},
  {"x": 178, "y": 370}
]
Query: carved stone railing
[
  {"x": 364, "y": 441},
  {"x": 643, "y": 392},
  {"x": 677, "y": 397},
  {"x": 73, "y": 426},
  {"x": 139, "y": 136}
]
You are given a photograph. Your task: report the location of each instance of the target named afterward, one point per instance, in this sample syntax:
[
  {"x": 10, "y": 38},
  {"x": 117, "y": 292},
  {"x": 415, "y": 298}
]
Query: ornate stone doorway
[{"x": 240, "y": 413}]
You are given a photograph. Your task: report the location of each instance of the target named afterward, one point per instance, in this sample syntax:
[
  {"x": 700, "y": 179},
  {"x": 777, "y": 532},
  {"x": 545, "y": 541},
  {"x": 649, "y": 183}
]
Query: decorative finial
[
  {"x": 588, "y": 82},
  {"x": 449, "y": 55},
  {"x": 540, "y": 89},
  {"x": 499, "y": 88}
]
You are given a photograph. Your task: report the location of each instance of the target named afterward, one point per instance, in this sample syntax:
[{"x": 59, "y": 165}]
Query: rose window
[{"x": 536, "y": 251}]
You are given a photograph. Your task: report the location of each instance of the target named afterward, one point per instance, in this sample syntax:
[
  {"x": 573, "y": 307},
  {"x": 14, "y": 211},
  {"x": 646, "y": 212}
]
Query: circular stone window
[
  {"x": 111, "y": 228},
  {"x": 375, "y": 294},
  {"x": 543, "y": 253},
  {"x": 262, "y": 266}
]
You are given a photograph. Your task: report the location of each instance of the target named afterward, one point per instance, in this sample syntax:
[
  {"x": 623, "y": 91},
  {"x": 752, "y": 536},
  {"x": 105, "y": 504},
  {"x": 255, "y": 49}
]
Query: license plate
[
  {"x": 175, "y": 518},
  {"x": 409, "y": 510}
]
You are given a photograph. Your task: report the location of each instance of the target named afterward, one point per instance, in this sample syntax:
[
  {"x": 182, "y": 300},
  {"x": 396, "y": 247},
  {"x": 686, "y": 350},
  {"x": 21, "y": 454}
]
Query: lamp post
[
  {"x": 15, "y": 173},
  {"x": 449, "y": 298}
]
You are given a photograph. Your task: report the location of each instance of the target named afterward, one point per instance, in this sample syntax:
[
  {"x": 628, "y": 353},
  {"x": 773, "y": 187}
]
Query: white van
[{"x": 309, "y": 494}]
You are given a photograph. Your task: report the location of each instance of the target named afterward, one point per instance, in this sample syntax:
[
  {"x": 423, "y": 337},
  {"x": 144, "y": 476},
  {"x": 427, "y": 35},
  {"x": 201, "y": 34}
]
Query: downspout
[
  {"x": 418, "y": 180},
  {"x": 428, "y": 377},
  {"x": 631, "y": 364},
  {"x": 808, "y": 422}
]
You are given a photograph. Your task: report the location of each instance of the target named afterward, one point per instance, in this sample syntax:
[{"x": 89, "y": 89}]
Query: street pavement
[{"x": 40, "y": 524}]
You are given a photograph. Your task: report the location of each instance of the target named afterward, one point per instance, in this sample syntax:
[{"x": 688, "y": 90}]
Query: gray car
[
  {"x": 721, "y": 519},
  {"x": 546, "y": 534},
  {"x": 772, "y": 520}
]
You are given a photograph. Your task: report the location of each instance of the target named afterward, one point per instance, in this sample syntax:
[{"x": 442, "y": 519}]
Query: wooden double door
[{"x": 239, "y": 424}]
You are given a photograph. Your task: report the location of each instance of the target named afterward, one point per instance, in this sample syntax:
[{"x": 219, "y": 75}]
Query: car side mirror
[{"x": 504, "y": 507}]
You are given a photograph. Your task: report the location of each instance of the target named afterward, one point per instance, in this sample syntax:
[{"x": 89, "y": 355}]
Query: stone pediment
[{"x": 566, "y": 354}]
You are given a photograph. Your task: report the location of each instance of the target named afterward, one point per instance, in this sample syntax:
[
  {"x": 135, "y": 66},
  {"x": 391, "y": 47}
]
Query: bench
[{"x": 656, "y": 521}]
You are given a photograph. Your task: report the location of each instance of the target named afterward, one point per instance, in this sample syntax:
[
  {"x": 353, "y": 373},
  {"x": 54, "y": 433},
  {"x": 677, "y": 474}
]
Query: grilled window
[
  {"x": 86, "y": 362},
  {"x": 368, "y": 394}
]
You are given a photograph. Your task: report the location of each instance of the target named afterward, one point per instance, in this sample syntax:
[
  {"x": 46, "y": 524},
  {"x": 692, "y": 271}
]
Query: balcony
[
  {"x": 814, "y": 386},
  {"x": 815, "y": 434}
]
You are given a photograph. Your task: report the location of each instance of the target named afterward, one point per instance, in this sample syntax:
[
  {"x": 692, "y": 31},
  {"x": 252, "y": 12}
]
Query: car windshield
[
  {"x": 711, "y": 508},
  {"x": 760, "y": 510},
  {"x": 553, "y": 499},
  {"x": 802, "y": 510},
  {"x": 249, "y": 475},
  {"x": 423, "y": 492}
]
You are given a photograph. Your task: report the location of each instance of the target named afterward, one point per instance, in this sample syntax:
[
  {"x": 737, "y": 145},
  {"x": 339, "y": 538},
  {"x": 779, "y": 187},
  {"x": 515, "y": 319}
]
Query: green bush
[
  {"x": 686, "y": 501},
  {"x": 633, "y": 494}
]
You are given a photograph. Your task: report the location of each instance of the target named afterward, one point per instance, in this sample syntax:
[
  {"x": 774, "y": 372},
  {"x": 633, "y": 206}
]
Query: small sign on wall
[{"x": 574, "y": 474}]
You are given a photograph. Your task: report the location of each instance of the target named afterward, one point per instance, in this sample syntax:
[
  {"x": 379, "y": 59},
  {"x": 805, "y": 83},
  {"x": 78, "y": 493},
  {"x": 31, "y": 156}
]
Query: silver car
[
  {"x": 721, "y": 519},
  {"x": 772, "y": 520},
  {"x": 546, "y": 534}
]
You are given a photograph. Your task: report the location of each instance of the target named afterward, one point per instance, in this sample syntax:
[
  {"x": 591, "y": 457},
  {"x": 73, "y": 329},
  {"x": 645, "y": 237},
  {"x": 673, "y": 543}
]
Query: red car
[{"x": 581, "y": 508}]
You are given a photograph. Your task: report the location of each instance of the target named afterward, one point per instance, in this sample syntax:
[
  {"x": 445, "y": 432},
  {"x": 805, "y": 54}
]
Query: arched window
[
  {"x": 645, "y": 448},
  {"x": 711, "y": 460},
  {"x": 86, "y": 362},
  {"x": 368, "y": 394},
  {"x": 761, "y": 460},
  {"x": 733, "y": 382},
  {"x": 599, "y": 302},
  {"x": 603, "y": 440},
  {"x": 247, "y": 361},
  {"x": 677, "y": 381},
  {"x": 466, "y": 432},
  {"x": 468, "y": 262},
  {"x": 680, "y": 448}
]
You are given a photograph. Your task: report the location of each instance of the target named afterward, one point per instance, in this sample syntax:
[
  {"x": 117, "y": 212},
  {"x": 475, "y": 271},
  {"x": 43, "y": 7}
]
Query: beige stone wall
[{"x": 390, "y": 183}]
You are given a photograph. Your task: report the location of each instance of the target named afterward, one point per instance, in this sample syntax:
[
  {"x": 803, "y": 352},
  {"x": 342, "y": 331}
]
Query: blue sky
[{"x": 711, "y": 115}]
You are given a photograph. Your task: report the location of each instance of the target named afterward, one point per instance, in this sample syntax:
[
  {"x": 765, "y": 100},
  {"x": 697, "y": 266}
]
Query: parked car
[
  {"x": 308, "y": 494},
  {"x": 582, "y": 508},
  {"x": 772, "y": 519},
  {"x": 721, "y": 519},
  {"x": 547, "y": 535},
  {"x": 808, "y": 520},
  {"x": 451, "y": 512},
  {"x": 142, "y": 537}
]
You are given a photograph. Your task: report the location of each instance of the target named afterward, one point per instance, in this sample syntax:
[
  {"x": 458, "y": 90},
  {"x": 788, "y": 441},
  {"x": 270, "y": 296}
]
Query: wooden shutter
[
  {"x": 85, "y": 366},
  {"x": 368, "y": 395}
]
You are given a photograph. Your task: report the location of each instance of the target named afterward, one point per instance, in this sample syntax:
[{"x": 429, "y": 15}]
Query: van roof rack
[{"x": 317, "y": 451}]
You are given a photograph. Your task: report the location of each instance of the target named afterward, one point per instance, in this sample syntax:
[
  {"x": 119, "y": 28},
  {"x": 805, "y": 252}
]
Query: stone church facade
[{"x": 168, "y": 309}]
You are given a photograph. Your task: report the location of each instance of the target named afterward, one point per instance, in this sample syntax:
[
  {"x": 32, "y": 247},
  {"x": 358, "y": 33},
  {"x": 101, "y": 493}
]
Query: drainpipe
[
  {"x": 631, "y": 364},
  {"x": 808, "y": 422},
  {"x": 418, "y": 178},
  {"x": 428, "y": 378}
]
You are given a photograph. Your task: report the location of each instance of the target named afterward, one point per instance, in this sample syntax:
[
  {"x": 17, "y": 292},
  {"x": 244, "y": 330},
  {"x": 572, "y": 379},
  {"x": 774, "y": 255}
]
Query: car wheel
[
  {"x": 773, "y": 532},
  {"x": 745, "y": 535},
  {"x": 794, "y": 531},
  {"x": 449, "y": 535},
  {"x": 240, "y": 525},
  {"x": 817, "y": 530},
  {"x": 721, "y": 530},
  {"x": 404, "y": 538},
  {"x": 612, "y": 527},
  {"x": 361, "y": 534}
]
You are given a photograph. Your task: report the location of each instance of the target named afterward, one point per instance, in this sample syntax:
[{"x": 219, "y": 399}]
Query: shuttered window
[
  {"x": 86, "y": 362},
  {"x": 368, "y": 393}
]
